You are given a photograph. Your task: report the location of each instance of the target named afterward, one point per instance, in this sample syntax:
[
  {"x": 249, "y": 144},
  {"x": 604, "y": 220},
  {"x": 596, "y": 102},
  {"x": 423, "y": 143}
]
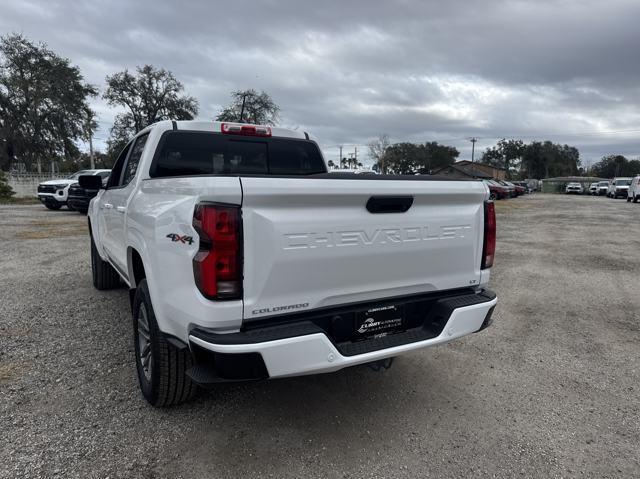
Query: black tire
[
  {"x": 492, "y": 196},
  {"x": 104, "y": 276},
  {"x": 628, "y": 199},
  {"x": 161, "y": 366},
  {"x": 635, "y": 199},
  {"x": 70, "y": 208},
  {"x": 53, "y": 206}
]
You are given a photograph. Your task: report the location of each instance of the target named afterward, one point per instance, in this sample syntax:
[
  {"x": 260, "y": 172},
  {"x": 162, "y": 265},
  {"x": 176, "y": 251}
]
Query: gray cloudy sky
[{"x": 564, "y": 70}]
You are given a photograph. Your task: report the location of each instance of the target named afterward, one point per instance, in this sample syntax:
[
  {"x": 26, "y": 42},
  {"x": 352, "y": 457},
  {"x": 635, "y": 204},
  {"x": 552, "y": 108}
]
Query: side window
[
  {"x": 134, "y": 159},
  {"x": 117, "y": 167}
]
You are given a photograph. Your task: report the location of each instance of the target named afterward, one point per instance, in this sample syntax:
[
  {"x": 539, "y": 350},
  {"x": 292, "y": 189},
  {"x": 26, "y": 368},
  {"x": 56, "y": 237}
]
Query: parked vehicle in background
[
  {"x": 496, "y": 190},
  {"x": 509, "y": 186},
  {"x": 78, "y": 198},
  {"x": 573, "y": 188},
  {"x": 634, "y": 189},
  {"x": 245, "y": 259},
  {"x": 603, "y": 188},
  {"x": 619, "y": 187},
  {"x": 593, "y": 188},
  {"x": 524, "y": 185},
  {"x": 54, "y": 193},
  {"x": 520, "y": 190}
]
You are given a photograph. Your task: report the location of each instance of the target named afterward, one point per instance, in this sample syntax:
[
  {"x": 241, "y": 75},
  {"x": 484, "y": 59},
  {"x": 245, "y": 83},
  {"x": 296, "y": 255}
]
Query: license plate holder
[{"x": 379, "y": 321}]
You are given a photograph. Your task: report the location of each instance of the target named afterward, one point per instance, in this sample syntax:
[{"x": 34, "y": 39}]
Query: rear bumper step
[{"x": 310, "y": 346}]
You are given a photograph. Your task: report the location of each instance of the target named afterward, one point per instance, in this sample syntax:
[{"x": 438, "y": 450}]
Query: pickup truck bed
[{"x": 250, "y": 272}]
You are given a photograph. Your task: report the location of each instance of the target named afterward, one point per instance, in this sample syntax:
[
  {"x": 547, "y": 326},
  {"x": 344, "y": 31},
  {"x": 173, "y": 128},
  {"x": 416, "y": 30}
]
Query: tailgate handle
[{"x": 389, "y": 204}]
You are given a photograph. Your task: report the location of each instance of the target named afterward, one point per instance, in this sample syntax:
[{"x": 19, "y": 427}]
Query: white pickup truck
[{"x": 246, "y": 260}]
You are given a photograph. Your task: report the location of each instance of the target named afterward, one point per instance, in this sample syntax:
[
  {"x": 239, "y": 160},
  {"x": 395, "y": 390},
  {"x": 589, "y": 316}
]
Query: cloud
[{"x": 347, "y": 71}]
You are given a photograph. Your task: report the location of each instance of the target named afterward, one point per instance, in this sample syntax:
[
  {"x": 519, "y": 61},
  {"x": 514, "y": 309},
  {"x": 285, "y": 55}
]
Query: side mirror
[{"x": 90, "y": 182}]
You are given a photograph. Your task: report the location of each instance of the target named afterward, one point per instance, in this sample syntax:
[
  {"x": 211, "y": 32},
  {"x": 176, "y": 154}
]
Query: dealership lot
[{"x": 552, "y": 389}]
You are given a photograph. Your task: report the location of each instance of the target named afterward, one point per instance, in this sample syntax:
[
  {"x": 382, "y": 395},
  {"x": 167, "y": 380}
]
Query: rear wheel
[
  {"x": 161, "y": 366},
  {"x": 628, "y": 199},
  {"x": 104, "y": 276},
  {"x": 635, "y": 199}
]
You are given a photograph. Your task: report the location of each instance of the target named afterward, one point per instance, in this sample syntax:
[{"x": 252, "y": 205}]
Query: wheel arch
[{"x": 136, "y": 272}]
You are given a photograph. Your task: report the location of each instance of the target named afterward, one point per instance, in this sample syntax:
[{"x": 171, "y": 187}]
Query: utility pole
[
  {"x": 244, "y": 98},
  {"x": 473, "y": 147},
  {"x": 355, "y": 158},
  {"x": 92, "y": 158},
  {"x": 340, "y": 159}
]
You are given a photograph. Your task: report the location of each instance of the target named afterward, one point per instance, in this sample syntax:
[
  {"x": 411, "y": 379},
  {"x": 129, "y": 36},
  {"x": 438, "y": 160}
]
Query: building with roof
[
  {"x": 493, "y": 171},
  {"x": 457, "y": 170}
]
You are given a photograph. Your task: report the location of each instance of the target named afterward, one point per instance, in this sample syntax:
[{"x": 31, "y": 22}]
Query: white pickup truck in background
[{"x": 246, "y": 260}]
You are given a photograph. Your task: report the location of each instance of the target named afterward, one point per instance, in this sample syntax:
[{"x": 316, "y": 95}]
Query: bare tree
[{"x": 378, "y": 151}]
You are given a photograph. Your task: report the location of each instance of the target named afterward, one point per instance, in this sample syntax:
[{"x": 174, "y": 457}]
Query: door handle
[
  {"x": 120, "y": 209},
  {"x": 389, "y": 204},
  {"x": 107, "y": 206}
]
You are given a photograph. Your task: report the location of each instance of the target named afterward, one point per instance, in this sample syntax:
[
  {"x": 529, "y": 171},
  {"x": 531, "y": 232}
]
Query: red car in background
[
  {"x": 520, "y": 190},
  {"x": 496, "y": 190}
]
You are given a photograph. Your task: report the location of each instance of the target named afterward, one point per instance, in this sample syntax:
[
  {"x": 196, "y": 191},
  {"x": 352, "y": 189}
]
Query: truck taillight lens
[
  {"x": 217, "y": 267},
  {"x": 489, "y": 246}
]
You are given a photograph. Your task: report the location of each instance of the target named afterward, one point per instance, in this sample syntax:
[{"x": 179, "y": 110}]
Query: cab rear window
[{"x": 187, "y": 153}]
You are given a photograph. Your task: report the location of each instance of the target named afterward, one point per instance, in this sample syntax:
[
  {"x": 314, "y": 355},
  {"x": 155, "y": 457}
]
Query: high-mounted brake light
[
  {"x": 217, "y": 267},
  {"x": 489, "y": 245},
  {"x": 246, "y": 130}
]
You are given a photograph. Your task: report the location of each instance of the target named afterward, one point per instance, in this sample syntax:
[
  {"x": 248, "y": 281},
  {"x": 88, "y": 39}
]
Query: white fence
[{"x": 26, "y": 184}]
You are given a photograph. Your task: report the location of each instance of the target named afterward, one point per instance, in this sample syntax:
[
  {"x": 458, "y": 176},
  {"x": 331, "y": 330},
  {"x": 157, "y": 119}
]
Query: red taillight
[
  {"x": 489, "y": 246},
  {"x": 217, "y": 267},
  {"x": 246, "y": 130}
]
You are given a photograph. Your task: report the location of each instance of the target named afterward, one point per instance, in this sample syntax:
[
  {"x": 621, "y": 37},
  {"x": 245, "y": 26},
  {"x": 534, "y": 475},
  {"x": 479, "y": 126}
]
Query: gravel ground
[{"x": 550, "y": 390}]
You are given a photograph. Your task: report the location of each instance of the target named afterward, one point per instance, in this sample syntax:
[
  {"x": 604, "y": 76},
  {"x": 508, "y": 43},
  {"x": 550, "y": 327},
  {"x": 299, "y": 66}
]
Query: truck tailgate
[{"x": 311, "y": 243}]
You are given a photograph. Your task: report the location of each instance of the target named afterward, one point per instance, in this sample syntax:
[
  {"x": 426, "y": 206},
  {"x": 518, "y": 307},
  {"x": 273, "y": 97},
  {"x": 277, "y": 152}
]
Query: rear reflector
[
  {"x": 217, "y": 267},
  {"x": 246, "y": 130},
  {"x": 489, "y": 245}
]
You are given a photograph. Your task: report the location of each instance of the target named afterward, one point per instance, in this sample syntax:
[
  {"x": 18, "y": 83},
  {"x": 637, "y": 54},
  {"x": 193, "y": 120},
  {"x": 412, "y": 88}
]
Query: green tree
[
  {"x": 548, "y": 160},
  {"x": 506, "y": 154},
  {"x": 42, "y": 103},
  {"x": 410, "y": 158},
  {"x": 615, "y": 165},
  {"x": 437, "y": 156},
  {"x": 148, "y": 95},
  {"x": 249, "y": 106},
  {"x": 403, "y": 158},
  {"x": 5, "y": 190}
]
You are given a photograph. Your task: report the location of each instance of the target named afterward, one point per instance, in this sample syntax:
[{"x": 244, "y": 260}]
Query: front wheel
[
  {"x": 628, "y": 199},
  {"x": 53, "y": 206},
  {"x": 161, "y": 366},
  {"x": 635, "y": 199}
]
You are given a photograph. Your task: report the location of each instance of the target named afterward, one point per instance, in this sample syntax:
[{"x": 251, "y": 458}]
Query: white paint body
[
  {"x": 307, "y": 241},
  {"x": 619, "y": 186}
]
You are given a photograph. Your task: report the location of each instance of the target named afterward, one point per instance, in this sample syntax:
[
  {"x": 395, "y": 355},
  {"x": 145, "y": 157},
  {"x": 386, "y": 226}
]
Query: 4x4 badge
[{"x": 182, "y": 239}]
